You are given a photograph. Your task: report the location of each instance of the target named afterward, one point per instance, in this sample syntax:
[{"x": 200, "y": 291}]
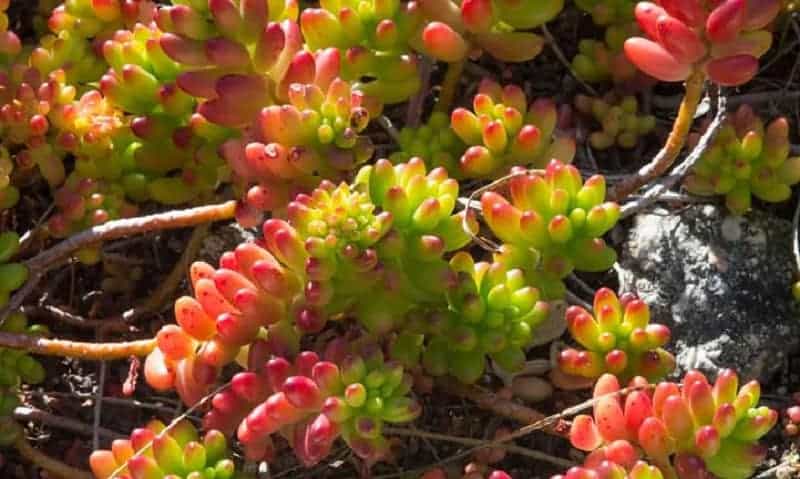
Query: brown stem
[
  {"x": 675, "y": 141},
  {"x": 450, "y": 85},
  {"x": 44, "y": 261},
  {"x": 503, "y": 407},
  {"x": 48, "y": 463},
  {"x": 30, "y": 414},
  {"x": 75, "y": 349}
]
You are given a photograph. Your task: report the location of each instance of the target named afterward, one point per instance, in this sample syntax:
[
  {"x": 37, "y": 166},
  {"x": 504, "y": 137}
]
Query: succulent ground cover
[{"x": 428, "y": 198}]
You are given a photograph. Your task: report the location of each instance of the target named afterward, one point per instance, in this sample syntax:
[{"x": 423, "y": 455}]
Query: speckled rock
[{"x": 722, "y": 283}]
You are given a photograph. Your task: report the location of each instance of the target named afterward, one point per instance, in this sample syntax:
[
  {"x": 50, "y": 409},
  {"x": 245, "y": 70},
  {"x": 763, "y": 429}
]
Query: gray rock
[{"x": 721, "y": 283}]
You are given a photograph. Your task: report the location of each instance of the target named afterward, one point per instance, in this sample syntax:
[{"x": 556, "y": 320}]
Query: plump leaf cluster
[
  {"x": 157, "y": 451},
  {"x": 374, "y": 40},
  {"x": 618, "y": 338},
  {"x": 311, "y": 402},
  {"x": 618, "y": 459},
  {"x": 17, "y": 367},
  {"x": 12, "y": 274},
  {"x": 492, "y": 313},
  {"x": 439, "y": 473},
  {"x": 502, "y": 131},
  {"x": 746, "y": 159},
  {"x": 619, "y": 119},
  {"x": 690, "y": 428},
  {"x": 608, "y": 12},
  {"x": 604, "y": 60},
  {"x": 552, "y": 223},
  {"x": 724, "y": 39},
  {"x": 454, "y": 28}
]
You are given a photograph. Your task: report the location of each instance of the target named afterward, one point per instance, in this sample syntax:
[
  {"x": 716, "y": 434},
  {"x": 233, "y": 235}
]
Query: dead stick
[{"x": 44, "y": 261}]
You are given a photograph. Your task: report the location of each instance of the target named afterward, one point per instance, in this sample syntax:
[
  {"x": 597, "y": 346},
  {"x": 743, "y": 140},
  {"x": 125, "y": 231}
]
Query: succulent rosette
[
  {"x": 689, "y": 429},
  {"x": 553, "y": 223},
  {"x": 502, "y": 130},
  {"x": 724, "y": 40},
  {"x": 619, "y": 120},
  {"x": 158, "y": 451},
  {"x": 619, "y": 339},
  {"x": 746, "y": 159},
  {"x": 496, "y": 27}
]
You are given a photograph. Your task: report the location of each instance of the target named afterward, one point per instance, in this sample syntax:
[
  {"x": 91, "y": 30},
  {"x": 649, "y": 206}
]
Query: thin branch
[
  {"x": 76, "y": 349},
  {"x": 652, "y": 195},
  {"x": 512, "y": 448},
  {"x": 29, "y": 414},
  {"x": 48, "y": 463},
  {"x": 672, "y": 148},
  {"x": 417, "y": 102},
  {"x": 796, "y": 238},
  {"x": 51, "y": 311},
  {"x": 48, "y": 259},
  {"x": 387, "y": 125},
  {"x": 563, "y": 59}
]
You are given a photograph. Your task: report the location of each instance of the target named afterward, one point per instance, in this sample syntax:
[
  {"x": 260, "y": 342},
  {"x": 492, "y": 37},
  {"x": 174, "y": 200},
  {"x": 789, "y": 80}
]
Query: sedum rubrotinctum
[
  {"x": 496, "y": 27},
  {"x": 492, "y": 313},
  {"x": 553, "y": 224},
  {"x": 373, "y": 39},
  {"x": 159, "y": 452},
  {"x": 746, "y": 159},
  {"x": 688, "y": 429},
  {"x": 372, "y": 250},
  {"x": 618, "y": 338},
  {"x": 503, "y": 130}
]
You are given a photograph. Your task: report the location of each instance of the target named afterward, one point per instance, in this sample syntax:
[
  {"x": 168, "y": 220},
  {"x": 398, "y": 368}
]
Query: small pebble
[{"x": 531, "y": 388}]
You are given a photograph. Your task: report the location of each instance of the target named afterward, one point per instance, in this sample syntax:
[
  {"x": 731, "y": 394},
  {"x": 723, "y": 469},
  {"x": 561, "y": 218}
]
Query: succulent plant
[
  {"x": 435, "y": 142},
  {"x": 692, "y": 428},
  {"x": 553, "y": 223},
  {"x": 17, "y": 365},
  {"x": 723, "y": 39},
  {"x": 10, "y": 45},
  {"x": 492, "y": 26},
  {"x": 439, "y": 473},
  {"x": 12, "y": 275},
  {"x": 26, "y": 99},
  {"x": 9, "y": 194},
  {"x": 619, "y": 339},
  {"x": 492, "y": 313},
  {"x": 158, "y": 451},
  {"x": 504, "y": 131},
  {"x": 312, "y": 402},
  {"x": 317, "y": 135},
  {"x": 619, "y": 120},
  {"x": 618, "y": 459},
  {"x": 608, "y": 12},
  {"x": 373, "y": 40},
  {"x": 746, "y": 159}
]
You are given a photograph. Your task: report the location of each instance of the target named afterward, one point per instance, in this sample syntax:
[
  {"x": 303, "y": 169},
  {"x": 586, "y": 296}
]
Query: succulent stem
[
  {"x": 675, "y": 141},
  {"x": 76, "y": 349},
  {"x": 449, "y": 85}
]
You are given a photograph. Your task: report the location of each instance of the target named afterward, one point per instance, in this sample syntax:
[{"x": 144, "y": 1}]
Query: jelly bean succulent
[
  {"x": 435, "y": 142},
  {"x": 690, "y": 428},
  {"x": 454, "y": 28},
  {"x": 553, "y": 223},
  {"x": 17, "y": 367},
  {"x": 618, "y": 459},
  {"x": 722, "y": 39},
  {"x": 619, "y": 339},
  {"x": 597, "y": 62},
  {"x": 373, "y": 38},
  {"x": 492, "y": 313},
  {"x": 312, "y": 402},
  {"x": 608, "y": 12},
  {"x": 619, "y": 120},
  {"x": 9, "y": 194},
  {"x": 10, "y": 44},
  {"x": 12, "y": 274},
  {"x": 502, "y": 131},
  {"x": 746, "y": 159},
  {"x": 158, "y": 451}
]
